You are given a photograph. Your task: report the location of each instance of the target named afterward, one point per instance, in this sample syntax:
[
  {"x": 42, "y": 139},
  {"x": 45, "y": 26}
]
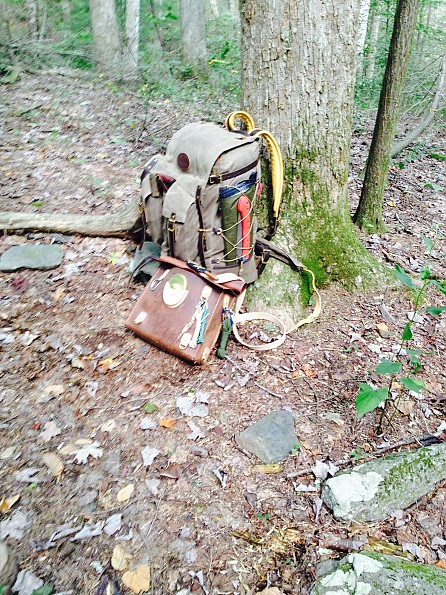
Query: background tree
[
  {"x": 298, "y": 77},
  {"x": 131, "y": 45},
  {"x": 368, "y": 215},
  {"x": 107, "y": 45},
  {"x": 193, "y": 39}
]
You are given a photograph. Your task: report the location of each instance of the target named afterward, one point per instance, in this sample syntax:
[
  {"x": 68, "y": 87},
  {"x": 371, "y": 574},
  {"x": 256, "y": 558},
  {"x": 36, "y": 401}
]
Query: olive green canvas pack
[{"x": 198, "y": 199}]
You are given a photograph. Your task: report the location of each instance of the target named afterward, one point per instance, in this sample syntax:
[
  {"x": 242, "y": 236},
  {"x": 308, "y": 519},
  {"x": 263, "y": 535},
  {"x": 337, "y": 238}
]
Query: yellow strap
[{"x": 276, "y": 157}]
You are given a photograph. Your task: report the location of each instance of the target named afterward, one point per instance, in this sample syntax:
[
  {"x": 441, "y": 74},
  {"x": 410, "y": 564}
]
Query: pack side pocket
[{"x": 180, "y": 224}]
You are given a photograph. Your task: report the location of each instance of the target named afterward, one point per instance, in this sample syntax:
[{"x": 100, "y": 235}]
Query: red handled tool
[{"x": 244, "y": 208}]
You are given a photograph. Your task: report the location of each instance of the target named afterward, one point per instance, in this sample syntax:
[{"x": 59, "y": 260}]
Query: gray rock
[
  {"x": 36, "y": 256},
  {"x": 271, "y": 439},
  {"x": 373, "y": 490},
  {"x": 369, "y": 573},
  {"x": 8, "y": 568}
]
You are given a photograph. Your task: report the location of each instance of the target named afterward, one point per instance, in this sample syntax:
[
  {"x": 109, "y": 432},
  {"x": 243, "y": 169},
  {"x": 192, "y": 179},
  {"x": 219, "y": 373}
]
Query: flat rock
[
  {"x": 34, "y": 256},
  {"x": 369, "y": 573},
  {"x": 271, "y": 439},
  {"x": 373, "y": 490}
]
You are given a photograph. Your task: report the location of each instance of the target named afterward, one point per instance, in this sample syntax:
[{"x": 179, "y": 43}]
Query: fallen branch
[
  {"x": 115, "y": 224},
  {"x": 415, "y": 133}
]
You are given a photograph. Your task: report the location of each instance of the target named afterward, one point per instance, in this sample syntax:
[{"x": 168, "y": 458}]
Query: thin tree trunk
[
  {"x": 214, "y": 8},
  {"x": 368, "y": 215},
  {"x": 106, "y": 37},
  {"x": 362, "y": 32},
  {"x": 193, "y": 39},
  {"x": 66, "y": 10},
  {"x": 33, "y": 13},
  {"x": 297, "y": 79},
  {"x": 428, "y": 119},
  {"x": 43, "y": 9},
  {"x": 131, "y": 48},
  {"x": 372, "y": 46}
]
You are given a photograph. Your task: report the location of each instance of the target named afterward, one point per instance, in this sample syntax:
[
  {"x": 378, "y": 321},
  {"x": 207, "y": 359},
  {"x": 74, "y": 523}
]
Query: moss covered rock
[
  {"x": 369, "y": 573},
  {"x": 373, "y": 490}
]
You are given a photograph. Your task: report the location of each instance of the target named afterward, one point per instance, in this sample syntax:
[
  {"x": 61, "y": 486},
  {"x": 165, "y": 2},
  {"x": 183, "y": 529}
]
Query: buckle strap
[{"x": 219, "y": 178}]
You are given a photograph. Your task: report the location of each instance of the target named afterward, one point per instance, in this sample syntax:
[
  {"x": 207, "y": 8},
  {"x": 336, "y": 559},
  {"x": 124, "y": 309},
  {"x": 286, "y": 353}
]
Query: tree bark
[
  {"x": 33, "y": 13},
  {"x": 114, "y": 224},
  {"x": 298, "y": 65},
  {"x": 131, "y": 48},
  {"x": 428, "y": 118},
  {"x": 106, "y": 37},
  {"x": 368, "y": 215},
  {"x": 193, "y": 38}
]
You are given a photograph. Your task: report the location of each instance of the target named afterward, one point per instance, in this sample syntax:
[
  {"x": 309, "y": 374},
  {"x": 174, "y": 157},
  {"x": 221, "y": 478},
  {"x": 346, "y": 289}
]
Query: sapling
[{"x": 369, "y": 397}]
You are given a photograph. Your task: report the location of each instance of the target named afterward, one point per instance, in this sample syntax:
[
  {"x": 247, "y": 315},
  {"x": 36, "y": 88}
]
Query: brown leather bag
[{"x": 180, "y": 310}]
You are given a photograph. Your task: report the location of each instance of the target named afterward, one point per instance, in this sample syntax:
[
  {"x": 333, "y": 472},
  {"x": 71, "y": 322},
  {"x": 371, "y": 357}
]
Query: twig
[{"x": 240, "y": 369}]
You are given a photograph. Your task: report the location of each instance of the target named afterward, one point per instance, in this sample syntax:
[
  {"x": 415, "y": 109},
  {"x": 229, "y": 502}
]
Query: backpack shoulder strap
[{"x": 266, "y": 247}]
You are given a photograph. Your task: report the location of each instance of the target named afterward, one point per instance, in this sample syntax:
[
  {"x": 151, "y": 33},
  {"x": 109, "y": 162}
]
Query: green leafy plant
[{"x": 370, "y": 397}]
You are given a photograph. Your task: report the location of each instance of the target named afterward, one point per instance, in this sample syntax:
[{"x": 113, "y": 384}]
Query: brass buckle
[
  {"x": 172, "y": 224},
  {"x": 266, "y": 253},
  {"x": 216, "y": 179}
]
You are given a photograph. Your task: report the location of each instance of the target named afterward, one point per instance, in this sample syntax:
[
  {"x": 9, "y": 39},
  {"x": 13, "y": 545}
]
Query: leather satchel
[{"x": 181, "y": 308}]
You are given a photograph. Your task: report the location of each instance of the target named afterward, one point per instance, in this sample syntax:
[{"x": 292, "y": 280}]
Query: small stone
[
  {"x": 37, "y": 256},
  {"x": 272, "y": 438},
  {"x": 383, "y": 330}
]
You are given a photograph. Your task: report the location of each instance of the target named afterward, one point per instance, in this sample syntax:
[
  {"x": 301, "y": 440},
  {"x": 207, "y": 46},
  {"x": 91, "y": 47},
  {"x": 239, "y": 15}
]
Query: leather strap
[
  {"x": 218, "y": 178},
  {"x": 201, "y": 229}
]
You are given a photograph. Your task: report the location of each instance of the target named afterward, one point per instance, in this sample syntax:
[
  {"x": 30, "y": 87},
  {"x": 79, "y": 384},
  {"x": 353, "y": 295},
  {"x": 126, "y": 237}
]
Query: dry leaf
[
  {"x": 6, "y": 454},
  {"x": 267, "y": 469},
  {"x": 108, "y": 426},
  {"x": 383, "y": 330},
  {"x": 172, "y": 472},
  {"x": 51, "y": 429},
  {"x": 125, "y": 493},
  {"x": 55, "y": 390},
  {"x": 68, "y": 449},
  {"x": 168, "y": 423},
  {"x": 59, "y": 292},
  {"x": 441, "y": 564},
  {"x": 137, "y": 580},
  {"x": 108, "y": 364},
  {"x": 7, "y": 503},
  {"x": 120, "y": 558},
  {"x": 53, "y": 462}
]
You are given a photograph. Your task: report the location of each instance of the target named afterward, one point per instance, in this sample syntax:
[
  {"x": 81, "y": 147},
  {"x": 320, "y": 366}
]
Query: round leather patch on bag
[{"x": 183, "y": 161}]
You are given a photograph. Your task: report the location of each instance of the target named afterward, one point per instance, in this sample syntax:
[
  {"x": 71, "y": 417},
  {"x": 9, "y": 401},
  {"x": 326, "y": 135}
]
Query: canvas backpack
[
  {"x": 198, "y": 205},
  {"x": 199, "y": 199}
]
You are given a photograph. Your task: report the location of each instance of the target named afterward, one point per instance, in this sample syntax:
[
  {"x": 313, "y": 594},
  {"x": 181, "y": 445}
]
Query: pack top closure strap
[{"x": 219, "y": 178}]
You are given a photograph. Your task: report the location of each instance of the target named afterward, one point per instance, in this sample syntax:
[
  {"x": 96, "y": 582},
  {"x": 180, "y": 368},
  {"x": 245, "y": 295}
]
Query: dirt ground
[{"x": 74, "y": 381}]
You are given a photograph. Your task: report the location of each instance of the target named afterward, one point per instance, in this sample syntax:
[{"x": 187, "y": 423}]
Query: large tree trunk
[
  {"x": 106, "y": 37},
  {"x": 193, "y": 38},
  {"x": 368, "y": 215},
  {"x": 131, "y": 48},
  {"x": 298, "y": 65}
]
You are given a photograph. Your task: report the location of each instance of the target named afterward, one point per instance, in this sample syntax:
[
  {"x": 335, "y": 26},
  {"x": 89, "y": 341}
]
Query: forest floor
[{"x": 74, "y": 381}]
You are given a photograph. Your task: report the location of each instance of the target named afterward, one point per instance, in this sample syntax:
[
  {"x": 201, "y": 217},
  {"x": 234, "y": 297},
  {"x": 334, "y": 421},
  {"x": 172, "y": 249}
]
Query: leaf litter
[{"x": 319, "y": 390}]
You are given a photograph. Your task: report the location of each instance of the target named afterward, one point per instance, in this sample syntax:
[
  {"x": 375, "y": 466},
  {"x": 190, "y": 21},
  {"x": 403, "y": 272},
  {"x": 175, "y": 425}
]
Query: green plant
[{"x": 370, "y": 397}]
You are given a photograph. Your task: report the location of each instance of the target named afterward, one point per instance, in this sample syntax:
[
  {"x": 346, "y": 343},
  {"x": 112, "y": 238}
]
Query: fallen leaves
[
  {"x": 268, "y": 469},
  {"x": 148, "y": 455},
  {"x": 120, "y": 558},
  {"x": 137, "y": 580},
  {"x": 125, "y": 493},
  {"x": 168, "y": 423},
  {"x": 51, "y": 430},
  {"x": 88, "y": 450},
  {"x": 53, "y": 462},
  {"x": 7, "y": 503}
]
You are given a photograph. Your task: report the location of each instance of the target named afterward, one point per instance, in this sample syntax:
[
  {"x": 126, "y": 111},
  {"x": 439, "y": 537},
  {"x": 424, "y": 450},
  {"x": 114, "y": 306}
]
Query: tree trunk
[
  {"x": 372, "y": 45},
  {"x": 214, "y": 8},
  {"x": 362, "y": 32},
  {"x": 66, "y": 10},
  {"x": 193, "y": 39},
  {"x": 106, "y": 37},
  {"x": 298, "y": 79},
  {"x": 115, "y": 224},
  {"x": 33, "y": 23},
  {"x": 131, "y": 48},
  {"x": 429, "y": 117},
  {"x": 368, "y": 215}
]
